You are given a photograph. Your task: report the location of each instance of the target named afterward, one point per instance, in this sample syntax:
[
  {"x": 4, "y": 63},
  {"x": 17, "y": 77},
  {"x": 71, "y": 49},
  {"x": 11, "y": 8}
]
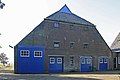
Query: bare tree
[
  {"x": 3, "y": 59},
  {"x": 1, "y": 5}
]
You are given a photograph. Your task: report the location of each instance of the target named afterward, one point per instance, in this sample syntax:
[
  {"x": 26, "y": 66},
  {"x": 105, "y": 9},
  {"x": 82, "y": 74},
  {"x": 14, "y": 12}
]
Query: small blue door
[
  {"x": 85, "y": 63},
  {"x": 103, "y": 63},
  {"x": 55, "y": 64}
]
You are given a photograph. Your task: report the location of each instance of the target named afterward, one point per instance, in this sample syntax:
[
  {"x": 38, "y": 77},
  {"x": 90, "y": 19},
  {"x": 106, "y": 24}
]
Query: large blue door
[
  {"x": 55, "y": 64},
  {"x": 30, "y": 59},
  {"x": 103, "y": 63},
  {"x": 85, "y": 63}
]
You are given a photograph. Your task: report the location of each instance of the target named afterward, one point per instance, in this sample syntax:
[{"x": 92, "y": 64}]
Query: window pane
[
  {"x": 85, "y": 45},
  {"x": 24, "y": 53},
  {"x": 72, "y": 61},
  {"x": 52, "y": 60},
  {"x": 105, "y": 60},
  {"x": 59, "y": 60},
  {"x": 82, "y": 60},
  {"x": 56, "y": 44},
  {"x": 71, "y": 44},
  {"x": 101, "y": 60},
  {"x": 89, "y": 60},
  {"x": 37, "y": 53},
  {"x": 56, "y": 24}
]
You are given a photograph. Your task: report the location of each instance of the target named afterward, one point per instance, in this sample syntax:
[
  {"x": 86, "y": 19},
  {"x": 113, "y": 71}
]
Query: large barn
[
  {"x": 116, "y": 52},
  {"x": 62, "y": 42}
]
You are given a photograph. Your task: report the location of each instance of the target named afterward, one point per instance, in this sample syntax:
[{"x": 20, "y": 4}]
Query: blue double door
[
  {"x": 55, "y": 64},
  {"x": 28, "y": 61},
  {"x": 85, "y": 64},
  {"x": 103, "y": 63}
]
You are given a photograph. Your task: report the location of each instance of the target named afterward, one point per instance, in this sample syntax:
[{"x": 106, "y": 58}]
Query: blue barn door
[
  {"x": 55, "y": 64},
  {"x": 30, "y": 59},
  {"x": 85, "y": 63},
  {"x": 103, "y": 63}
]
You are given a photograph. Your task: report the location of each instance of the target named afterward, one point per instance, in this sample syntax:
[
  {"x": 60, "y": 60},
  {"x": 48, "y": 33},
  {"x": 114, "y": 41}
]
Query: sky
[{"x": 19, "y": 17}]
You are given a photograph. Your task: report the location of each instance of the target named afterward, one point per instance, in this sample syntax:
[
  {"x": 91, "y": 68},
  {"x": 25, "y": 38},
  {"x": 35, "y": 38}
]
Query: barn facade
[
  {"x": 62, "y": 42},
  {"x": 115, "y": 47}
]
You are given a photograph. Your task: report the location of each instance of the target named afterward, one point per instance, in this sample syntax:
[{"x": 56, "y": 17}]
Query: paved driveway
[{"x": 11, "y": 76}]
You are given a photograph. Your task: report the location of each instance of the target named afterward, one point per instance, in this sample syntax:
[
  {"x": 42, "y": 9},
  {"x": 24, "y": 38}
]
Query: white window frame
[
  {"x": 82, "y": 60},
  {"x": 24, "y": 53},
  {"x": 72, "y": 61},
  {"x": 85, "y": 45},
  {"x": 100, "y": 60},
  {"x": 56, "y": 24},
  {"x": 106, "y": 60},
  {"x": 59, "y": 60},
  {"x": 52, "y": 60},
  {"x": 72, "y": 44},
  {"x": 89, "y": 60},
  {"x": 39, "y": 52},
  {"x": 86, "y": 60}
]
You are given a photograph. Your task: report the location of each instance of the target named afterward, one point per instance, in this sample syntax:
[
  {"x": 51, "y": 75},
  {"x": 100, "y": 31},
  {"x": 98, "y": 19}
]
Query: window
[
  {"x": 37, "y": 53},
  {"x": 52, "y": 60},
  {"x": 24, "y": 53},
  {"x": 118, "y": 40},
  {"x": 71, "y": 27},
  {"x": 86, "y": 29},
  {"x": 105, "y": 60},
  {"x": 89, "y": 60},
  {"x": 56, "y": 24},
  {"x": 59, "y": 60},
  {"x": 101, "y": 60},
  {"x": 56, "y": 44},
  {"x": 71, "y": 44},
  {"x": 82, "y": 60},
  {"x": 71, "y": 61},
  {"x": 85, "y": 45}
]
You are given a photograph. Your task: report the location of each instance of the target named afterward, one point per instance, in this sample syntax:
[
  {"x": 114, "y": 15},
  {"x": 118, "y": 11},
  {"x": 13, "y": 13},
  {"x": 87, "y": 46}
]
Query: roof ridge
[{"x": 64, "y": 14}]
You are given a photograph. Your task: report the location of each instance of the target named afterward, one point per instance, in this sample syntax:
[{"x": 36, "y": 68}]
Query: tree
[
  {"x": 3, "y": 59},
  {"x": 1, "y": 5}
]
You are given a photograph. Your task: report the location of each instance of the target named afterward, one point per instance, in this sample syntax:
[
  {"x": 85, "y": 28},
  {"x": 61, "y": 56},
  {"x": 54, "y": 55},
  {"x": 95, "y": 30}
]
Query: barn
[
  {"x": 115, "y": 47},
  {"x": 62, "y": 42}
]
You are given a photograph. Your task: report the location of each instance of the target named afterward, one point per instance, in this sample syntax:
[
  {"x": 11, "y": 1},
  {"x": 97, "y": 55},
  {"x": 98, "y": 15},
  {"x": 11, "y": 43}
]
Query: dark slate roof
[
  {"x": 116, "y": 43},
  {"x": 64, "y": 14}
]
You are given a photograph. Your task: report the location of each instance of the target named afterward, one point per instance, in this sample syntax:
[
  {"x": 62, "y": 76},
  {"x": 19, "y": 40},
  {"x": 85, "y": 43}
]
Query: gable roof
[
  {"x": 64, "y": 14},
  {"x": 116, "y": 43}
]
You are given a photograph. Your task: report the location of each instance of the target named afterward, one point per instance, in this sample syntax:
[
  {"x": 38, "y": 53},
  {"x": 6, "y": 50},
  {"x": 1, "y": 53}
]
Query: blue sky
[{"x": 19, "y": 17}]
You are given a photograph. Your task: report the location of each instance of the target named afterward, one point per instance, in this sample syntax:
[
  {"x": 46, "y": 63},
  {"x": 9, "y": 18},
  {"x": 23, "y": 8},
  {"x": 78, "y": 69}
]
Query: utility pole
[{"x": 1, "y": 5}]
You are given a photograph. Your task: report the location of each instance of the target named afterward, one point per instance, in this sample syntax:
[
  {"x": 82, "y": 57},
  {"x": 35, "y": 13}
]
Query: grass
[{"x": 8, "y": 67}]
